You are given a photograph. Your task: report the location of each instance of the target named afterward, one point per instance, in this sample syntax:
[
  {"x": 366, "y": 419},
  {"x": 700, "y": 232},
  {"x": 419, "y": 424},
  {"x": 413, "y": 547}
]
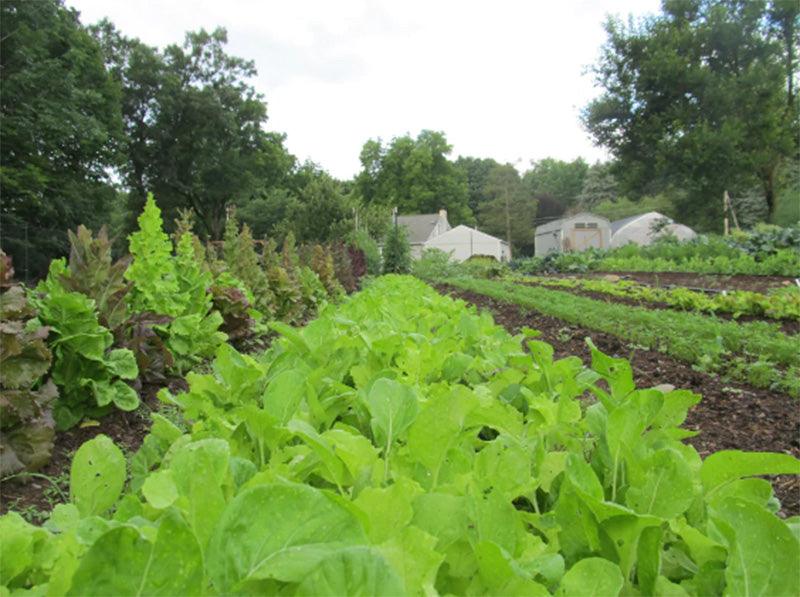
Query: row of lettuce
[
  {"x": 765, "y": 251},
  {"x": 78, "y": 344},
  {"x": 782, "y": 303},
  {"x": 779, "y": 303},
  {"x": 375, "y": 453},
  {"x": 757, "y": 353}
]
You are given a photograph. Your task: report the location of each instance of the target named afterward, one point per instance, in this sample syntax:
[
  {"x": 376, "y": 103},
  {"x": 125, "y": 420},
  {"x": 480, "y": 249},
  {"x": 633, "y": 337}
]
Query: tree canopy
[
  {"x": 510, "y": 212},
  {"x": 61, "y": 131},
  {"x": 703, "y": 97},
  {"x": 414, "y": 175},
  {"x": 193, "y": 124}
]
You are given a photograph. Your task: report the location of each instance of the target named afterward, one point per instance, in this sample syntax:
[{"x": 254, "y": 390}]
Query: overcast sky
[{"x": 502, "y": 79}]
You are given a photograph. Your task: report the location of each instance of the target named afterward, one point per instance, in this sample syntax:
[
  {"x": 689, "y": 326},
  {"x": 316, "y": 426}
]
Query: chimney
[{"x": 443, "y": 213}]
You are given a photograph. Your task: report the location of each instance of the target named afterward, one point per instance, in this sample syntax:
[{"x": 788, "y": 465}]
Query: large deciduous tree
[
  {"x": 703, "y": 97},
  {"x": 60, "y": 131},
  {"x": 557, "y": 179},
  {"x": 415, "y": 175},
  {"x": 193, "y": 126}
]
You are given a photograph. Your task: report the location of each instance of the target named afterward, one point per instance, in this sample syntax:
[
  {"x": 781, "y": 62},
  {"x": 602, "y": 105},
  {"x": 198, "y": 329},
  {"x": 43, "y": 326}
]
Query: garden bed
[
  {"x": 730, "y": 416},
  {"x": 695, "y": 281},
  {"x": 788, "y": 326}
]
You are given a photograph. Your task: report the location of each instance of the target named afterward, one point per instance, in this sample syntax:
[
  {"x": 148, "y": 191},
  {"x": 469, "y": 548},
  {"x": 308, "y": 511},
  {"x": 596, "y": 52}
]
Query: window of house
[
  {"x": 580, "y": 225},
  {"x": 591, "y": 225}
]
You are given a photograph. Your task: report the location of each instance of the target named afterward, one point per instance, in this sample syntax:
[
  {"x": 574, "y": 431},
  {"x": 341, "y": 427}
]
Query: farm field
[
  {"x": 757, "y": 352},
  {"x": 370, "y": 451}
]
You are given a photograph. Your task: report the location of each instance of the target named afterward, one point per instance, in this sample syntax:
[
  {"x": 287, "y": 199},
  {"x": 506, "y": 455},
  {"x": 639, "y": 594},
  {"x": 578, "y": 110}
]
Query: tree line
[{"x": 698, "y": 99}]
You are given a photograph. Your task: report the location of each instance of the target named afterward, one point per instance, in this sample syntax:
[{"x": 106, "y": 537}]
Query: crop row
[
  {"x": 755, "y": 352},
  {"x": 70, "y": 348},
  {"x": 778, "y": 304},
  {"x": 402, "y": 444}
]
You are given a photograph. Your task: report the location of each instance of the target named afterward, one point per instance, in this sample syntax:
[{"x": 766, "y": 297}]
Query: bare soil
[
  {"x": 730, "y": 416},
  {"x": 688, "y": 280}
]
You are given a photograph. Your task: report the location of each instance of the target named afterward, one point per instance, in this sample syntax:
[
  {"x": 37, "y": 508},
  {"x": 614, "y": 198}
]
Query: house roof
[
  {"x": 419, "y": 226},
  {"x": 455, "y": 233},
  {"x": 618, "y": 224},
  {"x": 558, "y": 224}
]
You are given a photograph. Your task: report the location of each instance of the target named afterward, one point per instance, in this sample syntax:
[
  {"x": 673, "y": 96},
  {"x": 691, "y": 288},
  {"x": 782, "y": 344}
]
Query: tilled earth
[{"x": 730, "y": 416}]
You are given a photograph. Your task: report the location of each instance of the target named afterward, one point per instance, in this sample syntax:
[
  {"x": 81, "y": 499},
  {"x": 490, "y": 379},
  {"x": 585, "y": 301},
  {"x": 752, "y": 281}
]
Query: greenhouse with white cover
[{"x": 646, "y": 228}]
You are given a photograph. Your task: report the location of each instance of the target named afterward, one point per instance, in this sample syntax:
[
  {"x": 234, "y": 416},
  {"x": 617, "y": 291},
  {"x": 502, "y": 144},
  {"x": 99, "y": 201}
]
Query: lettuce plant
[
  {"x": 26, "y": 422},
  {"x": 88, "y": 371}
]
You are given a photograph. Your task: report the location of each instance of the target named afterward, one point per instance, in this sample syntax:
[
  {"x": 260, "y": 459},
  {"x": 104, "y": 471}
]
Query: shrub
[
  {"x": 372, "y": 253},
  {"x": 434, "y": 265},
  {"x": 397, "y": 252}
]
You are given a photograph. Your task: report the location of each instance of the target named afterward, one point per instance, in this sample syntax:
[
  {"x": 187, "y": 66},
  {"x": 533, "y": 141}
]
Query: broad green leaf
[
  {"x": 124, "y": 397},
  {"x": 728, "y": 465},
  {"x": 592, "y": 577},
  {"x": 333, "y": 467},
  {"x": 16, "y": 546},
  {"x": 97, "y": 476},
  {"x": 762, "y": 551},
  {"x": 123, "y": 562},
  {"x": 280, "y": 532},
  {"x": 159, "y": 489},
  {"x": 648, "y": 558},
  {"x": 437, "y": 428},
  {"x": 393, "y": 407},
  {"x": 358, "y": 571},
  {"x": 284, "y": 394},
  {"x": 413, "y": 556},
  {"x": 389, "y": 509},
  {"x": 442, "y": 515},
  {"x": 122, "y": 363},
  {"x": 199, "y": 470},
  {"x": 666, "y": 488},
  {"x": 502, "y": 577}
]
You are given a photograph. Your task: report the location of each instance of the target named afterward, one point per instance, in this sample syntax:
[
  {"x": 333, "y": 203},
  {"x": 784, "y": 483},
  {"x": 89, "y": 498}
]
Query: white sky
[{"x": 502, "y": 78}]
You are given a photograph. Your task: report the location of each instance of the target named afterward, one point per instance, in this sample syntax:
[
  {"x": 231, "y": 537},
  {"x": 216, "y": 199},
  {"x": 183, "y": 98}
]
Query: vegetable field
[{"x": 402, "y": 443}]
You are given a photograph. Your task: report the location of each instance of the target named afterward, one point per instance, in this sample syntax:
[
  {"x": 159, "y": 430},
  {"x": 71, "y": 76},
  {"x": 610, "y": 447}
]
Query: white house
[
  {"x": 433, "y": 231},
  {"x": 645, "y": 228},
  {"x": 422, "y": 228},
  {"x": 573, "y": 233},
  {"x": 462, "y": 242}
]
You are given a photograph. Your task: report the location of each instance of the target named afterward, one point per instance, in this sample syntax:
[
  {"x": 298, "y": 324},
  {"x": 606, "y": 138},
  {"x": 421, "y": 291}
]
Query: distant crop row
[
  {"x": 377, "y": 453},
  {"x": 755, "y": 352},
  {"x": 782, "y": 303}
]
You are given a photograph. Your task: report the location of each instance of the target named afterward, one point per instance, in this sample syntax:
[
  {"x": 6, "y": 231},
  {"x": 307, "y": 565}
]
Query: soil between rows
[
  {"x": 689, "y": 280},
  {"x": 788, "y": 326},
  {"x": 731, "y": 416}
]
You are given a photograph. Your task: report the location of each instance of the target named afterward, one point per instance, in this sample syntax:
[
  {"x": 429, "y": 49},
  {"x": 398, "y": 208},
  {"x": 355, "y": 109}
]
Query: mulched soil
[
  {"x": 788, "y": 326},
  {"x": 34, "y": 497},
  {"x": 730, "y": 416},
  {"x": 707, "y": 281}
]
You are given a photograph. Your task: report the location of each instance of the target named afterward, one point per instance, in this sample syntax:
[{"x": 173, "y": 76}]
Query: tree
[
  {"x": 415, "y": 176},
  {"x": 511, "y": 210},
  {"x": 599, "y": 185},
  {"x": 476, "y": 171},
  {"x": 193, "y": 125},
  {"x": 562, "y": 181},
  {"x": 61, "y": 129},
  {"x": 397, "y": 252},
  {"x": 700, "y": 97}
]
